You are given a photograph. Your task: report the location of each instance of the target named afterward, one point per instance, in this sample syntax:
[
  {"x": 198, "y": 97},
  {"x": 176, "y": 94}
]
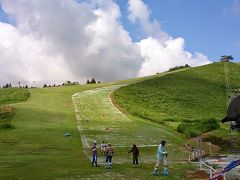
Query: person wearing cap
[
  {"x": 109, "y": 153},
  {"x": 94, "y": 153},
  {"x": 161, "y": 158},
  {"x": 135, "y": 152}
]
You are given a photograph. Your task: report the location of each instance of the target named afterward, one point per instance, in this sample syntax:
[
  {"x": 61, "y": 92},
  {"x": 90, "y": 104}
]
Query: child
[
  {"x": 161, "y": 158},
  {"x": 135, "y": 152},
  {"x": 94, "y": 153},
  {"x": 103, "y": 147},
  {"x": 109, "y": 153}
]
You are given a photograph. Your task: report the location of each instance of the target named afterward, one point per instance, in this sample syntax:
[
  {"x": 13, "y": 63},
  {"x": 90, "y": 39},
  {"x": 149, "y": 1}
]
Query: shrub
[
  {"x": 208, "y": 125},
  {"x": 178, "y": 67},
  {"x": 6, "y": 126},
  {"x": 7, "y": 113},
  {"x": 192, "y": 133},
  {"x": 182, "y": 127},
  {"x": 195, "y": 128}
]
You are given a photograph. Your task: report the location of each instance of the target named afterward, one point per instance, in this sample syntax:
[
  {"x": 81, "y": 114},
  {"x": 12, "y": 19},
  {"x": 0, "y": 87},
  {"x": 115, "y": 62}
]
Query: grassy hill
[
  {"x": 13, "y": 95},
  {"x": 195, "y": 98},
  {"x": 9, "y": 96},
  {"x": 36, "y": 147}
]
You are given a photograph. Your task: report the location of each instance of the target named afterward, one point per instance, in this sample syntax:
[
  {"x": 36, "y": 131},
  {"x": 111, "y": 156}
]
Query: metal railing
[{"x": 202, "y": 164}]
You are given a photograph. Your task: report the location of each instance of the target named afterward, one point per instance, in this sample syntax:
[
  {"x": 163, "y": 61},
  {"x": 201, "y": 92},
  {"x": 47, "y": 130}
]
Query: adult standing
[
  {"x": 94, "y": 154},
  {"x": 135, "y": 152},
  {"x": 109, "y": 153},
  {"x": 161, "y": 158}
]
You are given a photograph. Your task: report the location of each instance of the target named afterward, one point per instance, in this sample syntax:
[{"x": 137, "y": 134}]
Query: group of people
[{"x": 108, "y": 151}]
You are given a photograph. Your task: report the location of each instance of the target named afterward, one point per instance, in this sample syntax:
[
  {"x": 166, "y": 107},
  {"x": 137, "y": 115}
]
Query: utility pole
[{"x": 19, "y": 83}]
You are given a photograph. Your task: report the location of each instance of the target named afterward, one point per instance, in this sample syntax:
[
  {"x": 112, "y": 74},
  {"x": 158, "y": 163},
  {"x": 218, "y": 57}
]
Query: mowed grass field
[
  {"x": 189, "y": 97},
  {"x": 37, "y": 149}
]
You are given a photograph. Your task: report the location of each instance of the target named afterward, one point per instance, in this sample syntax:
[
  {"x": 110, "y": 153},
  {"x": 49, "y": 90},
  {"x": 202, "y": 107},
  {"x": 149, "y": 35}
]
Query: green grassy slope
[
  {"x": 100, "y": 120},
  {"x": 7, "y": 113},
  {"x": 13, "y": 95},
  {"x": 195, "y": 94},
  {"x": 37, "y": 149}
]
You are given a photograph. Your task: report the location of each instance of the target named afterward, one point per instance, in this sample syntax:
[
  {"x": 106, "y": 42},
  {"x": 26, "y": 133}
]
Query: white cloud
[
  {"x": 159, "y": 50},
  {"x": 160, "y": 58},
  {"x": 140, "y": 13},
  {"x": 65, "y": 39},
  {"x": 24, "y": 59},
  {"x": 62, "y": 40}
]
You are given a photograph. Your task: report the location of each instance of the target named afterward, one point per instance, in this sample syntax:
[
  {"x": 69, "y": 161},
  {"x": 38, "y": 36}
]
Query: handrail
[
  {"x": 211, "y": 169},
  {"x": 189, "y": 148}
]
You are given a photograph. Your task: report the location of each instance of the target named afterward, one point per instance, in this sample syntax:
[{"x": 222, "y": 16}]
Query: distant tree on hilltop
[
  {"x": 226, "y": 58},
  {"x": 93, "y": 81},
  {"x": 179, "y": 67},
  {"x": 8, "y": 85}
]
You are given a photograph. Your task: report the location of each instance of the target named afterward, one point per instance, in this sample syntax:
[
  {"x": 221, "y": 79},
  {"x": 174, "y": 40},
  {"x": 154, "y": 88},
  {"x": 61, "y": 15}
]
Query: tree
[
  {"x": 7, "y": 85},
  {"x": 226, "y": 58},
  {"x": 93, "y": 81},
  {"x": 45, "y": 86},
  {"x": 88, "y": 82},
  {"x": 26, "y": 86}
]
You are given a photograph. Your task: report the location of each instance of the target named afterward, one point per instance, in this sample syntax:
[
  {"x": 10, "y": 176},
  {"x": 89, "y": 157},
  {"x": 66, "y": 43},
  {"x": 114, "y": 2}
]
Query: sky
[{"x": 44, "y": 41}]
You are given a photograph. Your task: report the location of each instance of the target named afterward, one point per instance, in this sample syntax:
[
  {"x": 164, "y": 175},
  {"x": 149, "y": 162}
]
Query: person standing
[
  {"x": 94, "y": 154},
  {"x": 109, "y": 153},
  {"x": 103, "y": 147},
  {"x": 135, "y": 152},
  {"x": 161, "y": 158}
]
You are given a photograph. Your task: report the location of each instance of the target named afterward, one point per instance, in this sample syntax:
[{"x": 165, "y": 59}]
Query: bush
[
  {"x": 6, "y": 126},
  {"x": 182, "y": 127},
  {"x": 209, "y": 125},
  {"x": 191, "y": 133},
  {"x": 178, "y": 67},
  {"x": 195, "y": 128},
  {"x": 7, "y": 113}
]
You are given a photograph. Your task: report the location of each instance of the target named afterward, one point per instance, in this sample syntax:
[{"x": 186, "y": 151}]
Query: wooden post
[{"x": 210, "y": 148}]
